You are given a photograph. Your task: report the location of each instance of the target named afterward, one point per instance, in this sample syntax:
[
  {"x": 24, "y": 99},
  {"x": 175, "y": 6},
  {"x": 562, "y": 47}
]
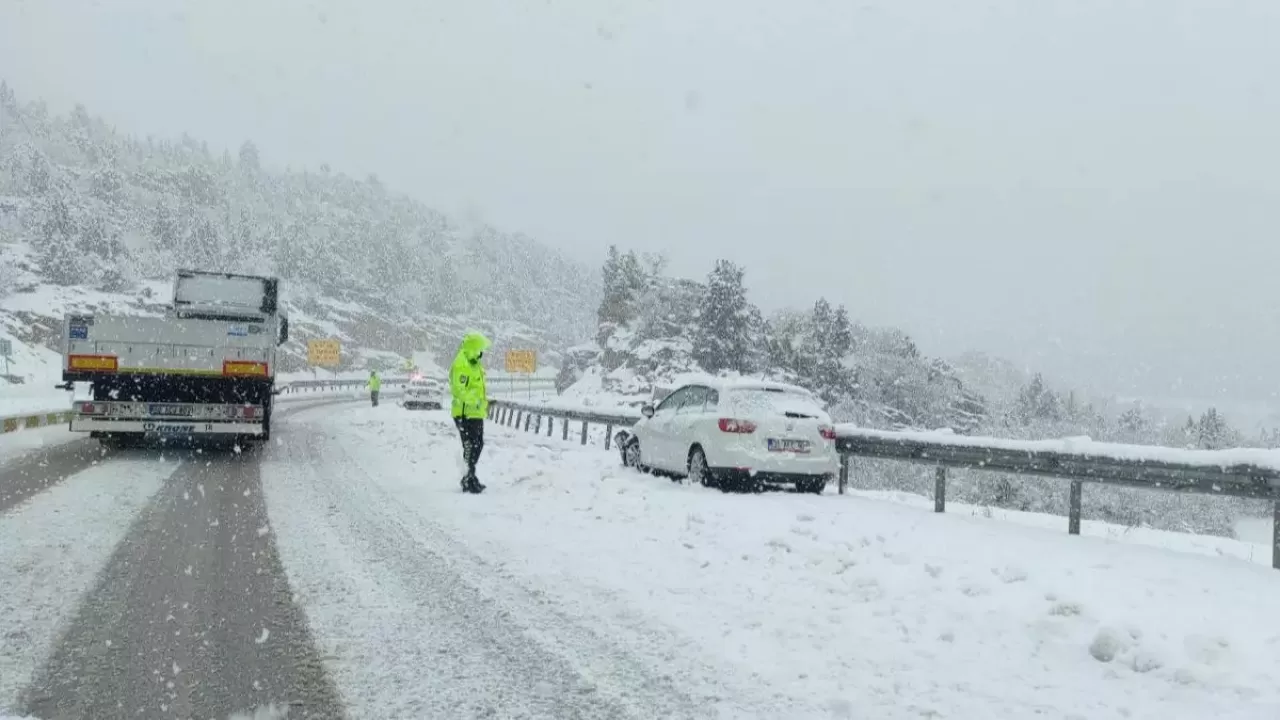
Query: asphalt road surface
[{"x": 193, "y": 616}]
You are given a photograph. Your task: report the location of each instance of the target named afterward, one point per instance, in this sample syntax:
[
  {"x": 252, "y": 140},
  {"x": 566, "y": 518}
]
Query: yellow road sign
[
  {"x": 522, "y": 361},
  {"x": 324, "y": 353}
]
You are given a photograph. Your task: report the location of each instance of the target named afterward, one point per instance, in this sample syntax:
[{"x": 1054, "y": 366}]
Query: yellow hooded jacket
[{"x": 466, "y": 379}]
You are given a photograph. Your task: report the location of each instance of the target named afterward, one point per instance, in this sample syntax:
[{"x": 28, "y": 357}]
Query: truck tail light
[
  {"x": 242, "y": 368},
  {"x": 731, "y": 425},
  {"x": 249, "y": 412},
  {"x": 91, "y": 408},
  {"x": 101, "y": 363},
  {"x": 827, "y": 432}
]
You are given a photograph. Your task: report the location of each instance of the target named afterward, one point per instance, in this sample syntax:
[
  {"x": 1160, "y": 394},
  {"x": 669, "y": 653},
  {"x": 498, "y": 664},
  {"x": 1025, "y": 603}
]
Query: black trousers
[
  {"x": 472, "y": 432},
  {"x": 373, "y": 395}
]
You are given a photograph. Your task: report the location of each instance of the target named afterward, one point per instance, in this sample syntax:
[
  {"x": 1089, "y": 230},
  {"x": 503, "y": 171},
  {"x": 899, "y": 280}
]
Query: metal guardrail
[
  {"x": 31, "y": 421},
  {"x": 304, "y": 386},
  {"x": 513, "y": 385},
  {"x": 1241, "y": 480},
  {"x": 515, "y": 414}
]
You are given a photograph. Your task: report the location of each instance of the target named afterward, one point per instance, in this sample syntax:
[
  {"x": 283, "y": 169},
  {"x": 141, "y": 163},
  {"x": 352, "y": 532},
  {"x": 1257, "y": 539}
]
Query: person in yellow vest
[
  {"x": 375, "y": 385},
  {"x": 470, "y": 403}
]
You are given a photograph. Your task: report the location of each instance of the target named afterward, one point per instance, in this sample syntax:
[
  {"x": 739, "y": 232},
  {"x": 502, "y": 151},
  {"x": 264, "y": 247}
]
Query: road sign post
[
  {"x": 6, "y": 349},
  {"x": 524, "y": 362}
]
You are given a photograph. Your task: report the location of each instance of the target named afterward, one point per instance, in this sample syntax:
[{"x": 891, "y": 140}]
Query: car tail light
[
  {"x": 730, "y": 425},
  {"x": 828, "y": 432}
]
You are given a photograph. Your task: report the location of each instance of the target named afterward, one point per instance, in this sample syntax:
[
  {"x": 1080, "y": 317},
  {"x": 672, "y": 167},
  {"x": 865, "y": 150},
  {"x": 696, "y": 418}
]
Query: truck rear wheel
[{"x": 266, "y": 419}]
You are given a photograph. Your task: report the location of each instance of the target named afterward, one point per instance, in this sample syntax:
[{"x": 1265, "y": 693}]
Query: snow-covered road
[
  {"x": 342, "y": 568},
  {"x": 784, "y": 606}
]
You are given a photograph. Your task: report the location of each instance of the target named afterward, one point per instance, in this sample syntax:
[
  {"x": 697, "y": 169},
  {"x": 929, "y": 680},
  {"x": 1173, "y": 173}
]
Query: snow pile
[
  {"x": 1085, "y": 447},
  {"x": 802, "y": 606}
]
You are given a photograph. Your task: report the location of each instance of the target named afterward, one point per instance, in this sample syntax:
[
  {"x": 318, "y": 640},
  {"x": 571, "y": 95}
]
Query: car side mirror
[{"x": 647, "y": 411}]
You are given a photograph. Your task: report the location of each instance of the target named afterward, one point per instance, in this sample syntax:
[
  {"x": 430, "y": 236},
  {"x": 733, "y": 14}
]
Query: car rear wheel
[
  {"x": 699, "y": 473},
  {"x": 631, "y": 455}
]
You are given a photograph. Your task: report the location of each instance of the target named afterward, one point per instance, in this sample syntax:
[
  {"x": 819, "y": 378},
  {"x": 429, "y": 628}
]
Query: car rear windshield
[{"x": 766, "y": 401}]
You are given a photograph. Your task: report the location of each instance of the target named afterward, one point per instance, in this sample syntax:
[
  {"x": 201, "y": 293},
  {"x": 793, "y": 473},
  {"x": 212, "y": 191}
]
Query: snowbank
[
  {"x": 846, "y": 606},
  {"x": 13, "y": 444}
]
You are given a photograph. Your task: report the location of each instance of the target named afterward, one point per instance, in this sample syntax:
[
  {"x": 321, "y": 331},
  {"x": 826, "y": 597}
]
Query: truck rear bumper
[{"x": 164, "y": 427}]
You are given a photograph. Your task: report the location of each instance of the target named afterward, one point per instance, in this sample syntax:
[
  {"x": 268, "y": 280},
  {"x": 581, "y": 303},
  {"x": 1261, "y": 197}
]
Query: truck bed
[
  {"x": 170, "y": 375},
  {"x": 109, "y": 344}
]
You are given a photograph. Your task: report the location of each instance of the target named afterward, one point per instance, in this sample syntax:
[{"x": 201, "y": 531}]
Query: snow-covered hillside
[{"x": 91, "y": 218}]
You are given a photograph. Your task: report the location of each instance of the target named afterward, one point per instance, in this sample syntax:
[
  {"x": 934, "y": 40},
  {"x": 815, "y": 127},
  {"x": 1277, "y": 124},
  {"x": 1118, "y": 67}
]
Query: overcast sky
[{"x": 1086, "y": 186}]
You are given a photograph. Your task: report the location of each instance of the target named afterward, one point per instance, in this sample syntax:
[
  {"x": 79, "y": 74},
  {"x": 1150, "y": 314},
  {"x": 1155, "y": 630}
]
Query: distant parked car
[
  {"x": 736, "y": 435},
  {"x": 424, "y": 393}
]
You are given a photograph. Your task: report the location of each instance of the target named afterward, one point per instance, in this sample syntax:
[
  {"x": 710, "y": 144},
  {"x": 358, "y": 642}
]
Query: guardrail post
[
  {"x": 608, "y": 436},
  {"x": 1275, "y": 536},
  {"x": 527, "y": 419},
  {"x": 519, "y": 417},
  {"x": 537, "y": 426},
  {"x": 564, "y": 425},
  {"x": 584, "y": 432},
  {"x": 844, "y": 472},
  {"x": 549, "y": 418},
  {"x": 940, "y": 489},
  {"x": 1073, "y": 512}
]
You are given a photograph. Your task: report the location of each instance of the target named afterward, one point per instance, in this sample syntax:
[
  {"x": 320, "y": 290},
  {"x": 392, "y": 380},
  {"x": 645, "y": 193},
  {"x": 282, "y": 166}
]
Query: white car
[
  {"x": 736, "y": 435},
  {"x": 424, "y": 393}
]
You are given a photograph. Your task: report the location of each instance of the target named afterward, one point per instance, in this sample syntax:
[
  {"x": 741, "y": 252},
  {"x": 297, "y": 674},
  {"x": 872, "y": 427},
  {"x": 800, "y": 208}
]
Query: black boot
[{"x": 471, "y": 484}]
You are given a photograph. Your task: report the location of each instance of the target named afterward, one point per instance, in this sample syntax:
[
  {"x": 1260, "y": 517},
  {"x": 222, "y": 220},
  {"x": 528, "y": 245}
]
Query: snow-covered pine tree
[
  {"x": 728, "y": 326},
  {"x": 1038, "y": 404},
  {"x": 56, "y": 249},
  {"x": 624, "y": 279},
  {"x": 1214, "y": 433}
]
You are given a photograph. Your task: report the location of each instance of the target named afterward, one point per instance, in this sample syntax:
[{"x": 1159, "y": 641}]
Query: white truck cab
[{"x": 206, "y": 367}]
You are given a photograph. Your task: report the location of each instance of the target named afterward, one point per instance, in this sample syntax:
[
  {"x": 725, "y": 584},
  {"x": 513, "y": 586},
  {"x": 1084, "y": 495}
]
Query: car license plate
[
  {"x": 784, "y": 445},
  {"x": 171, "y": 410}
]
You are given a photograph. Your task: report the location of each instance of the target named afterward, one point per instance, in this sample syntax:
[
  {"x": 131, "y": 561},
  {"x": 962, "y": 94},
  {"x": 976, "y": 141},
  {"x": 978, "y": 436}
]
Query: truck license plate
[
  {"x": 784, "y": 445},
  {"x": 171, "y": 410}
]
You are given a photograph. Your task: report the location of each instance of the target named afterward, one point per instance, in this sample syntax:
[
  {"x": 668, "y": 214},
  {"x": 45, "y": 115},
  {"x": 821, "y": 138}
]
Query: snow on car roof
[{"x": 735, "y": 383}]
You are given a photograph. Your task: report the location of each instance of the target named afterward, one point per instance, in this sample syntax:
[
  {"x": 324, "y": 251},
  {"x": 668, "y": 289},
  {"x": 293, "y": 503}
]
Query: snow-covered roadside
[
  {"x": 851, "y": 606},
  {"x": 53, "y": 546},
  {"x": 413, "y": 624},
  {"x": 15, "y": 444},
  {"x": 30, "y": 401}
]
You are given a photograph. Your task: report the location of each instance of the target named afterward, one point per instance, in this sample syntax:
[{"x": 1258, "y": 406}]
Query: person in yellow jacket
[
  {"x": 375, "y": 386},
  {"x": 470, "y": 403}
]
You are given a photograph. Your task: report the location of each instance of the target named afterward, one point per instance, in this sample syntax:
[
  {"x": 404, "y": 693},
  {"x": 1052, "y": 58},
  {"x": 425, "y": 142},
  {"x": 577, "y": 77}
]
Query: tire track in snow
[
  {"x": 37, "y": 470},
  {"x": 33, "y": 471},
  {"x": 406, "y": 631},
  {"x": 53, "y": 547},
  {"x": 192, "y": 616}
]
